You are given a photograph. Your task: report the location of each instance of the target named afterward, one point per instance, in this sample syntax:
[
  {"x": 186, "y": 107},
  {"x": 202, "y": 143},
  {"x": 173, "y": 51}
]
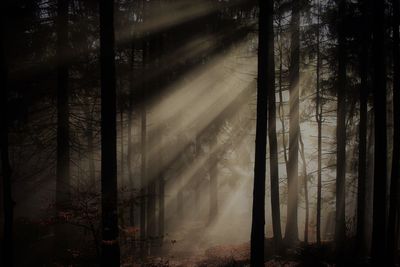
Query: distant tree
[
  {"x": 258, "y": 214},
  {"x": 378, "y": 250},
  {"x": 291, "y": 230},
  {"x": 110, "y": 246}
]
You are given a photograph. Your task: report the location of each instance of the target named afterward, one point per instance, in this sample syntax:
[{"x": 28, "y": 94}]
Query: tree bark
[
  {"x": 110, "y": 246},
  {"x": 378, "y": 251},
  {"x": 258, "y": 213}
]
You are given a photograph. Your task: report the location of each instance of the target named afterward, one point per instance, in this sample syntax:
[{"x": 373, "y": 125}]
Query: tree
[
  {"x": 362, "y": 131},
  {"x": 63, "y": 154},
  {"x": 143, "y": 152},
  {"x": 394, "y": 180},
  {"x": 110, "y": 245},
  {"x": 62, "y": 194},
  {"x": 291, "y": 231},
  {"x": 258, "y": 214},
  {"x": 380, "y": 150},
  {"x": 318, "y": 118},
  {"x": 340, "y": 226},
  {"x": 8, "y": 203},
  {"x": 273, "y": 143}
]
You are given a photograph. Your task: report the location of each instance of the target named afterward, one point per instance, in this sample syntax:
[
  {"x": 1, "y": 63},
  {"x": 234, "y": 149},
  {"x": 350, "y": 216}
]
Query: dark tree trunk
[
  {"x": 121, "y": 126},
  {"x": 62, "y": 183},
  {"x": 8, "y": 203},
  {"x": 63, "y": 171},
  {"x": 161, "y": 199},
  {"x": 273, "y": 143},
  {"x": 110, "y": 245},
  {"x": 378, "y": 250},
  {"x": 318, "y": 116},
  {"x": 362, "y": 135},
  {"x": 151, "y": 181},
  {"x": 130, "y": 145},
  {"x": 292, "y": 231},
  {"x": 143, "y": 166},
  {"x": 305, "y": 184},
  {"x": 89, "y": 136},
  {"x": 394, "y": 183},
  {"x": 258, "y": 214},
  {"x": 340, "y": 226}
]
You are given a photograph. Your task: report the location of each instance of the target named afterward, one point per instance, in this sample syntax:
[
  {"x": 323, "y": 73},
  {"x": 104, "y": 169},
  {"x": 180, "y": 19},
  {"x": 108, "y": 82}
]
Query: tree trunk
[
  {"x": 291, "y": 231},
  {"x": 340, "y": 226},
  {"x": 130, "y": 145},
  {"x": 89, "y": 136},
  {"x": 394, "y": 182},
  {"x": 318, "y": 117},
  {"x": 362, "y": 136},
  {"x": 305, "y": 184},
  {"x": 213, "y": 189},
  {"x": 63, "y": 157},
  {"x": 273, "y": 143},
  {"x": 110, "y": 246},
  {"x": 143, "y": 167},
  {"x": 378, "y": 251},
  {"x": 258, "y": 213},
  {"x": 8, "y": 203}
]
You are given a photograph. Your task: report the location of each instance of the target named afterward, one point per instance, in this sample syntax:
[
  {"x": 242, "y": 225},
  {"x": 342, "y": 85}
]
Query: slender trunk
[
  {"x": 213, "y": 190},
  {"x": 8, "y": 203},
  {"x": 273, "y": 143},
  {"x": 161, "y": 198},
  {"x": 305, "y": 184},
  {"x": 143, "y": 148},
  {"x": 378, "y": 251},
  {"x": 89, "y": 136},
  {"x": 258, "y": 213},
  {"x": 63, "y": 157},
  {"x": 394, "y": 182},
  {"x": 121, "y": 209},
  {"x": 362, "y": 136},
  {"x": 121, "y": 123},
  {"x": 130, "y": 145},
  {"x": 62, "y": 183},
  {"x": 318, "y": 116},
  {"x": 340, "y": 226},
  {"x": 110, "y": 245},
  {"x": 291, "y": 231}
]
